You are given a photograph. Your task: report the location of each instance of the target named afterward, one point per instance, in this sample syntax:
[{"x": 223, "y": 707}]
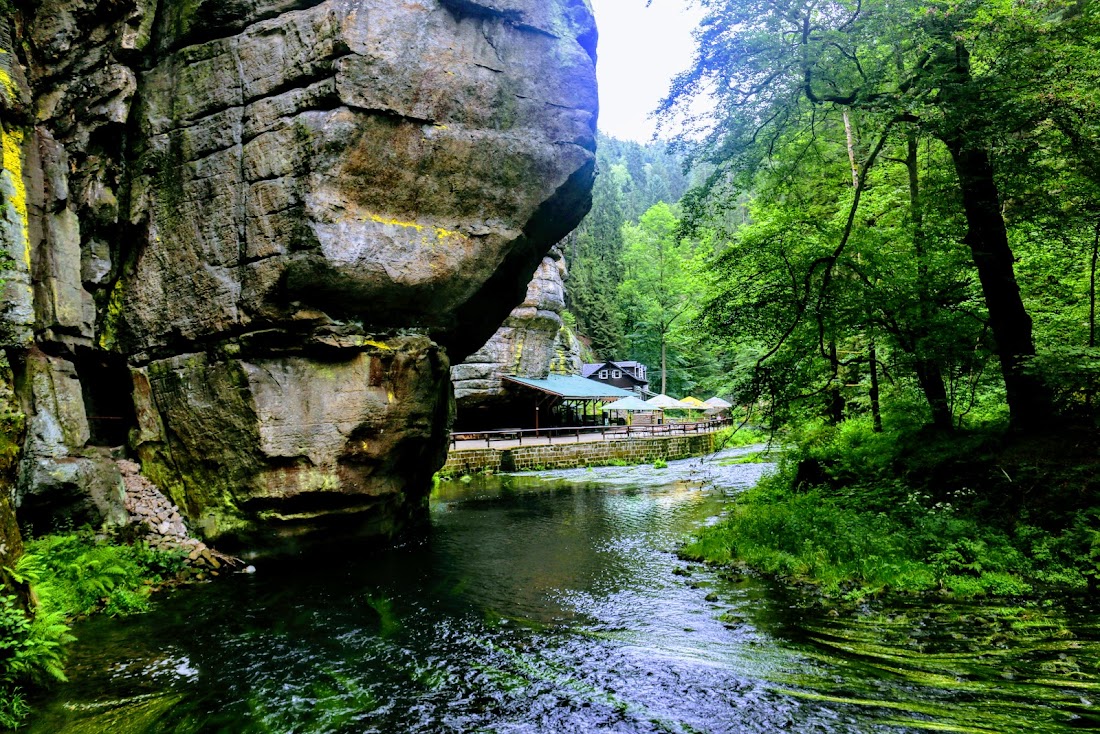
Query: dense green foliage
[
  {"x": 70, "y": 576},
  {"x": 873, "y": 164},
  {"x": 636, "y": 281},
  {"x": 861, "y": 513},
  {"x": 904, "y": 203},
  {"x": 633, "y": 279}
]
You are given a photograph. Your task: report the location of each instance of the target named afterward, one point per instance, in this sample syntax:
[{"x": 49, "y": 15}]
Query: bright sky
[{"x": 640, "y": 50}]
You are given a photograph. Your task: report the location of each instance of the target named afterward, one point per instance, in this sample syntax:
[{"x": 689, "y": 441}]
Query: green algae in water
[
  {"x": 137, "y": 715},
  {"x": 961, "y": 668}
]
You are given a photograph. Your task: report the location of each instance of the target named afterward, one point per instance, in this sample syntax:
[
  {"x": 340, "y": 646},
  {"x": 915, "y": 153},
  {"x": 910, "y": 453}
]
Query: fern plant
[{"x": 30, "y": 651}]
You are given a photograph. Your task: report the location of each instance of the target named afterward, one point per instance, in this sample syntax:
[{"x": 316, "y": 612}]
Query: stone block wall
[
  {"x": 571, "y": 456},
  {"x": 473, "y": 461}
]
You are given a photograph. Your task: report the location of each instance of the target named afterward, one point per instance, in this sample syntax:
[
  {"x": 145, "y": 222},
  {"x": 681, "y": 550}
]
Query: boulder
[{"x": 288, "y": 218}]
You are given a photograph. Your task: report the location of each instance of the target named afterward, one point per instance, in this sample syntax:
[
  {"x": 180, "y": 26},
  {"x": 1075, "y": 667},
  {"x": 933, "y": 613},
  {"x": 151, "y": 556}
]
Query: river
[{"x": 555, "y": 603}]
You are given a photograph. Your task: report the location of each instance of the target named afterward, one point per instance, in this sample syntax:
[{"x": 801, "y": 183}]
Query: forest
[{"x": 886, "y": 253}]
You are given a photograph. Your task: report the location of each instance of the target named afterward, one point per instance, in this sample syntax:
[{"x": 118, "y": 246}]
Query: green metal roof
[{"x": 572, "y": 387}]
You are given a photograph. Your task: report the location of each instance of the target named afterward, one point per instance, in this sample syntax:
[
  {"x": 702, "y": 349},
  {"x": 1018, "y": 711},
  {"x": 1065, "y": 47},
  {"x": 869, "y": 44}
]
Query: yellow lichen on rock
[
  {"x": 439, "y": 232},
  {"x": 12, "y": 142},
  {"x": 8, "y": 83}
]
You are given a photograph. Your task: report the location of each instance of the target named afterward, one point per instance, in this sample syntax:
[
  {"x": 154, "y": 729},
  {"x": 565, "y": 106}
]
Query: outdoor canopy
[
  {"x": 717, "y": 402},
  {"x": 694, "y": 401},
  {"x": 570, "y": 387},
  {"x": 664, "y": 402},
  {"x": 631, "y": 404}
]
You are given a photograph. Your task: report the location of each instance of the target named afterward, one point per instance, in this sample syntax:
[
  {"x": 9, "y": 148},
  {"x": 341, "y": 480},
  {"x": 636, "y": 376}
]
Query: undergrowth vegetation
[
  {"x": 860, "y": 513},
  {"x": 69, "y": 576}
]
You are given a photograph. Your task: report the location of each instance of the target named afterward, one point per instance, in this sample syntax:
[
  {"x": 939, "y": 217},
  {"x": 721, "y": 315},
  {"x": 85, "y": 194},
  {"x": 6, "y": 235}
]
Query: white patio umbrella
[
  {"x": 664, "y": 402},
  {"x": 631, "y": 404},
  {"x": 717, "y": 402}
]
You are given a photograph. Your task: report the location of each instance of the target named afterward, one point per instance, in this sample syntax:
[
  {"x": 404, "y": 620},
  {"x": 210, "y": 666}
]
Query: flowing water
[{"x": 555, "y": 603}]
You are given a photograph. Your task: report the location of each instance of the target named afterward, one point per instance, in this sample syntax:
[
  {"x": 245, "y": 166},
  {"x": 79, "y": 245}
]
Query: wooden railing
[{"x": 535, "y": 436}]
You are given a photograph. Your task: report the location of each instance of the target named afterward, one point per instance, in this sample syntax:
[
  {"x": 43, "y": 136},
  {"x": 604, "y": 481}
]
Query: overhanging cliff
[{"x": 281, "y": 221}]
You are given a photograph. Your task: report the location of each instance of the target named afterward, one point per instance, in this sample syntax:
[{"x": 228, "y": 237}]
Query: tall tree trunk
[
  {"x": 1029, "y": 402},
  {"x": 929, "y": 373},
  {"x": 876, "y": 410},
  {"x": 851, "y": 149},
  {"x": 664, "y": 366},
  {"x": 836, "y": 399}
]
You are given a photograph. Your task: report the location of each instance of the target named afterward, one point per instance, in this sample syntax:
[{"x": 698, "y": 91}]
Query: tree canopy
[{"x": 899, "y": 188}]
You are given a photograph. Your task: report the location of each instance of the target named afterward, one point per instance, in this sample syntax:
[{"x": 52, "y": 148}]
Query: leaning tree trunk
[{"x": 1029, "y": 401}]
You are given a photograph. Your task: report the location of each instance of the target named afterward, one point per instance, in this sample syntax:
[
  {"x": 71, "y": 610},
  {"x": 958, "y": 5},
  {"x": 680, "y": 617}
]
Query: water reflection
[{"x": 555, "y": 604}]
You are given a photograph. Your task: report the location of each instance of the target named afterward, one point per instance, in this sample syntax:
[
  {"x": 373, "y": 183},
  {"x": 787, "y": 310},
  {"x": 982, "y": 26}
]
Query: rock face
[
  {"x": 249, "y": 238},
  {"x": 532, "y": 342}
]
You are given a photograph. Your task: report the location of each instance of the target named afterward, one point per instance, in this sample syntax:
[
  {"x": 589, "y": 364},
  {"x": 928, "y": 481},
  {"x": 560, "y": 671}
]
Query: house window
[
  {"x": 616, "y": 374},
  {"x": 603, "y": 374}
]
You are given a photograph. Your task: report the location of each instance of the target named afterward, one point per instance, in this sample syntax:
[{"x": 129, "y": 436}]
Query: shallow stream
[{"x": 555, "y": 603}]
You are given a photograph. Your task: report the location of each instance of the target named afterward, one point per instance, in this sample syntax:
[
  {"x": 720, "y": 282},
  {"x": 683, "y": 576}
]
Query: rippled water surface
[{"x": 554, "y": 603}]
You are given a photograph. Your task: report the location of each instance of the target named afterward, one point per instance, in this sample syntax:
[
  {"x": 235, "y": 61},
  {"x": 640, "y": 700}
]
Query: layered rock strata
[
  {"x": 248, "y": 239},
  {"x": 533, "y": 342}
]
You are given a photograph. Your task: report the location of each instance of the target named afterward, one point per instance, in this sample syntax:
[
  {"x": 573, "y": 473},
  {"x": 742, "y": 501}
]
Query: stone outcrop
[
  {"x": 533, "y": 342},
  {"x": 12, "y": 433},
  {"x": 280, "y": 221}
]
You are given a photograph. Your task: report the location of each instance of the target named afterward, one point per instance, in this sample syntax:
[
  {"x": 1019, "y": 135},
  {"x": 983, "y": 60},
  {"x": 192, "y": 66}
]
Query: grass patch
[
  {"x": 756, "y": 457},
  {"x": 732, "y": 437}
]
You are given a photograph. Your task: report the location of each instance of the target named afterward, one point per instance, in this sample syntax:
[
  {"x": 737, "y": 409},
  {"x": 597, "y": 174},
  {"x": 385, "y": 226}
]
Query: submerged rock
[{"x": 274, "y": 225}]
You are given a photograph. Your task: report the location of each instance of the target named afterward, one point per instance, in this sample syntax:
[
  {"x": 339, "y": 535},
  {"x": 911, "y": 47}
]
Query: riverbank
[
  {"x": 555, "y": 602},
  {"x": 964, "y": 515},
  {"x": 70, "y": 576}
]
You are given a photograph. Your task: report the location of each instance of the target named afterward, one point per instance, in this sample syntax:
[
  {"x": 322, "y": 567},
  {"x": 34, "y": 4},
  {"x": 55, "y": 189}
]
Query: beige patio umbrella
[
  {"x": 630, "y": 405},
  {"x": 664, "y": 402},
  {"x": 717, "y": 405}
]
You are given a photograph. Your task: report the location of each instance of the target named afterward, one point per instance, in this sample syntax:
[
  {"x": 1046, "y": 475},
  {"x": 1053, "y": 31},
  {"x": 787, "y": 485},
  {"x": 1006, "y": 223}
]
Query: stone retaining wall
[{"x": 570, "y": 456}]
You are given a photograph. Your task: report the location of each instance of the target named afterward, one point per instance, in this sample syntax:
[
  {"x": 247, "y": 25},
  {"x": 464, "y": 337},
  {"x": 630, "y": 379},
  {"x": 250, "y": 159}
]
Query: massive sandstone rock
[
  {"x": 532, "y": 342},
  {"x": 282, "y": 221}
]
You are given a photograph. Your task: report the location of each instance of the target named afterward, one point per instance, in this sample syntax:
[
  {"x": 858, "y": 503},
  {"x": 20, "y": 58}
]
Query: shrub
[{"x": 75, "y": 575}]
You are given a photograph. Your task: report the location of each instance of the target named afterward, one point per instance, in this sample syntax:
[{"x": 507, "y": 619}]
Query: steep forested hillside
[{"x": 631, "y": 281}]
